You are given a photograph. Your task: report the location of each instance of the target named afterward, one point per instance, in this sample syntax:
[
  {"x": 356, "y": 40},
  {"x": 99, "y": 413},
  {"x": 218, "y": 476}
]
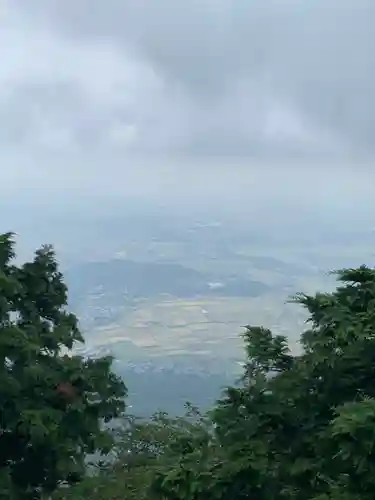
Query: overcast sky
[{"x": 138, "y": 96}]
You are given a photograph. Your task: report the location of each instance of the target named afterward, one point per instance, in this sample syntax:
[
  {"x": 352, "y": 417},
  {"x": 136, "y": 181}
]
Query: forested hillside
[{"x": 295, "y": 427}]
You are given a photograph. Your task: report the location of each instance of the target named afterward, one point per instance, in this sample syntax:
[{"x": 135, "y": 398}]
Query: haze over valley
[{"x": 168, "y": 292}]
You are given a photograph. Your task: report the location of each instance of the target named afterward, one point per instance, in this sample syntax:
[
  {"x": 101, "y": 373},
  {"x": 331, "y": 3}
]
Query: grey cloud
[{"x": 242, "y": 78}]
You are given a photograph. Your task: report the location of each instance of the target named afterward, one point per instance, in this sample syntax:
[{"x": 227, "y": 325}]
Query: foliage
[
  {"x": 297, "y": 427},
  {"x": 143, "y": 447},
  {"x": 52, "y": 403},
  {"x": 294, "y": 427}
]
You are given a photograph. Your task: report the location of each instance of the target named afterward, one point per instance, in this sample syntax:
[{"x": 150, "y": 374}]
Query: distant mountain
[{"x": 131, "y": 279}]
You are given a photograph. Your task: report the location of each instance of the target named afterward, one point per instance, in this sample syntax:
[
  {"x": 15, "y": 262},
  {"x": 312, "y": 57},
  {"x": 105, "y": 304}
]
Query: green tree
[
  {"x": 52, "y": 403},
  {"x": 143, "y": 450},
  {"x": 297, "y": 427}
]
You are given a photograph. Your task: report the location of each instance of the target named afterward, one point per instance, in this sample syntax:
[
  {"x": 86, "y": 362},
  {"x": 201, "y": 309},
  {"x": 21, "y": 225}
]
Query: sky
[{"x": 143, "y": 98}]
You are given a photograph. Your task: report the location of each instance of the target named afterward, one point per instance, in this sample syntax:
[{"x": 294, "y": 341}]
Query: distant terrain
[
  {"x": 166, "y": 324},
  {"x": 130, "y": 280},
  {"x": 168, "y": 294},
  {"x": 174, "y": 330}
]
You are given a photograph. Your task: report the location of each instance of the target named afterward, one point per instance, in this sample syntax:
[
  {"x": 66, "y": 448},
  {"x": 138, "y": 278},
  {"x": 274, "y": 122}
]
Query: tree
[
  {"x": 144, "y": 448},
  {"x": 52, "y": 403},
  {"x": 297, "y": 428}
]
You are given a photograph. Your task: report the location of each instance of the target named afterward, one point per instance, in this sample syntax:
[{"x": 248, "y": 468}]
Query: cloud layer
[{"x": 248, "y": 80}]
